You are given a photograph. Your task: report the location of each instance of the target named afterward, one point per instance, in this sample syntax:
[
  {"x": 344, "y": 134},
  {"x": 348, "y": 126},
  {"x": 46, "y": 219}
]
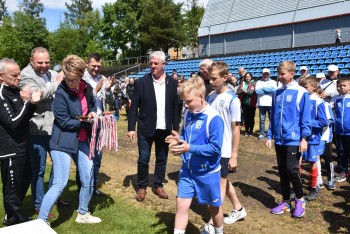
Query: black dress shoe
[
  {"x": 98, "y": 192},
  {"x": 61, "y": 203}
]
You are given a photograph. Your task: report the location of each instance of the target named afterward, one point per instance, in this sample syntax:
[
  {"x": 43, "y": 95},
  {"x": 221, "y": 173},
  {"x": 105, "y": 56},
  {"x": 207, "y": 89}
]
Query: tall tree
[
  {"x": 77, "y": 10},
  {"x": 120, "y": 25},
  {"x": 32, "y": 7},
  {"x": 3, "y": 10},
  {"x": 160, "y": 25},
  {"x": 193, "y": 18}
]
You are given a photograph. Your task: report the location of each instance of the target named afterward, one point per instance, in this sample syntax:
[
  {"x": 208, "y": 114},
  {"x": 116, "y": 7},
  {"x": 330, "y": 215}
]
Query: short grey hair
[
  {"x": 205, "y": 63},
  {"x": 4, "y": 63},
  {"x": 158, "y": 54},
  {"x": 38, "y": 50}
]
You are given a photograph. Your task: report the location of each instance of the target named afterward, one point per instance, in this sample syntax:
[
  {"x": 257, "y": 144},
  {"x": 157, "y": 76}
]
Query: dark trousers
[
  {"x": 328, "y": 159},
  {"x": 249, "y": 115},
  {"x": 15, "y": 176},
  {"x": 161, "y": 148},
  {"x": 343, "y": 151},
  {"x": 288, "y": 169}
]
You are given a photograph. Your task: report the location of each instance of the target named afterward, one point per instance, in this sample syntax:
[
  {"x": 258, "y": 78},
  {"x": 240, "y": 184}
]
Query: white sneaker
[
  {"x": 207, "y": 229},
  {"x": 87, "y": 218},
  {"x": 235, "y": 215}
]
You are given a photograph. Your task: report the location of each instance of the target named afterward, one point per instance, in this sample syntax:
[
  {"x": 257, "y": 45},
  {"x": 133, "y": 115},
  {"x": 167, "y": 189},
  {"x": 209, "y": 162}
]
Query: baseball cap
[
  {"x": 266, "y": 70},
  {"x": 303, "y": 68},
  {"x": 332, "y": 68},
  {"x": 320, "y": 75}
]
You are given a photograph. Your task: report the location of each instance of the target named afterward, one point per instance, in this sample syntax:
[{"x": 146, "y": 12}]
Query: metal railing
[{"x": 128, "y": 71}]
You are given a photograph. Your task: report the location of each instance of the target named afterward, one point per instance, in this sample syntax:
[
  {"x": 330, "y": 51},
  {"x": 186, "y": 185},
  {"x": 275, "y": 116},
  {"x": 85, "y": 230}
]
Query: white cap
[
  {"x": 332, "y": 68},
  {"x": 303, "y": 68},
  {"x": 266, "y": 70},
  {"x": 320, "y": 75}
]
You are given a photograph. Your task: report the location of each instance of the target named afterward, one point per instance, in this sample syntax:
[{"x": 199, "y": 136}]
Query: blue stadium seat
[
  {"x": 320, "y": 61},
  {"x": 345, "y": 60},
  {"x": 347, "y": 47},
  {"x": 325, "y": 49},
  {"x": 314, "y": 67},
  {"x": 340, "y": 65},
  {"x": 319, "y": 49},
  {"x": 347, "y": 65},
  {"x": 323, "y": 66},
  {"x": 332, "y": 48},
  {"x": 336, "y": 60},
  {"x": 339, "y": 47},
  {"x": 344, "y": 71}
]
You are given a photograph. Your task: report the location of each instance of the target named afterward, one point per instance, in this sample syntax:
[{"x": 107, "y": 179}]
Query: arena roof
[{"x": 237, "y": 15}]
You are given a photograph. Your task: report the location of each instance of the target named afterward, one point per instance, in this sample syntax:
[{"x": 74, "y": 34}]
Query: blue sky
[{"x": 54, "y": 9}]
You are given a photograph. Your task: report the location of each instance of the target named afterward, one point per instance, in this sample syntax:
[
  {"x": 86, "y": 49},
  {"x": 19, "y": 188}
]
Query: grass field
[{"x": 256, "y": 183}]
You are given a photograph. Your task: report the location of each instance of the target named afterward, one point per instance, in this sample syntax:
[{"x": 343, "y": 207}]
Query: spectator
[
  {"x": 338, "y": 36},
  {"x": 303, "y": 74},
  {"x": 37, "y": 75},
  {"x": 118, "y": 96},
  {"x": 129, "y": 91},
  {"x": 102, "y": 92},
  {"x": 320, "y": 77},
  {"x": 232, "y": 84},
  {"x": 247, "y": 95},
  {"x": 329, "y": 85},
  {"x": 70, "y": 138},
  {"x": 155, "y": 107},
  {"x": 241, "y": 73},
  {"x": 203, "y": 67},
  {"x": 265, "y": 87},
  {"x": 17, "y": 107}
]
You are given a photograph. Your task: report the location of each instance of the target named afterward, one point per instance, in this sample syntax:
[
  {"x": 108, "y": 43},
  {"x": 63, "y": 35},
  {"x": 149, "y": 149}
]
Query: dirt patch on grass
[{"x": 256, "y": 183}]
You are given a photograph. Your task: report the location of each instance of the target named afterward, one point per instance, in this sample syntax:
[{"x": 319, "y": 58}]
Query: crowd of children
[{"x": 301, "y": 125}]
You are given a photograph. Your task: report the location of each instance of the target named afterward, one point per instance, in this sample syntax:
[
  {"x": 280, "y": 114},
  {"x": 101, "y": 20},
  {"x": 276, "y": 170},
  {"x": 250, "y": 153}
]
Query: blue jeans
[
  {"x": 38, "y": 147},
  {"x": 145, "y": 146},
  {"x": 61, "y": 168},
  {"x": 262, "y": 114}
]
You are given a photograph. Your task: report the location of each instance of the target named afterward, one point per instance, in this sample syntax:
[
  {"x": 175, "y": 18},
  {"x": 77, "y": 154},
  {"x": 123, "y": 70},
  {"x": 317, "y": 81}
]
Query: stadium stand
[{"x": 254, "y": 63}]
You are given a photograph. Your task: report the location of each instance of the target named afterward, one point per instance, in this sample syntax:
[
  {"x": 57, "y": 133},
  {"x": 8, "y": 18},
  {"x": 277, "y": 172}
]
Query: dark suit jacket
[{"x": 144, "y": 106}]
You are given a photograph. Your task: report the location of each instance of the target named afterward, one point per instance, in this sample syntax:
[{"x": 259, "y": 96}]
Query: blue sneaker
[
  {"x": 299, "y": 209},
  {"x": 281, "y": 208}
]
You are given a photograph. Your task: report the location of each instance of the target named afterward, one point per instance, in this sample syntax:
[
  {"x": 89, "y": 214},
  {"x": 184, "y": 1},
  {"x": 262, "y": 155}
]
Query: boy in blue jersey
[
  {"x": 229, "y": 107},
  {"x": 341, "y": 106},
  {"x": 318, "y": 123},
  {"x": 199, "y": 145},
  {"x": 290, "y": 127}
]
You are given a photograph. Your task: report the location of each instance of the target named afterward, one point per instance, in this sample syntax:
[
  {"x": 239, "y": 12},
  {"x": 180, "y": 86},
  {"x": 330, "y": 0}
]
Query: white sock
[
  {"x": 178, "y": 231},
  {"x": 219, "y": 230}
]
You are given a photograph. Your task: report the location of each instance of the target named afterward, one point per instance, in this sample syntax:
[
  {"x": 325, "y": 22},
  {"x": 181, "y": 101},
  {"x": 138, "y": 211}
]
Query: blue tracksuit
[
  {"x": 204, "y": 132},
  {"x": 319, "y": 119},
  {"x": 290, "y": 115},
  {"x": 342, "y": 114}
]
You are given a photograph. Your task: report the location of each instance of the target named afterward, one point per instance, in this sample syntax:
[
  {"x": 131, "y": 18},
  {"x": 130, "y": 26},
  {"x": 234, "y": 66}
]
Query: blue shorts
[
  {"x": 313, "y": 151},
  {"x": 206, "y": 187}
]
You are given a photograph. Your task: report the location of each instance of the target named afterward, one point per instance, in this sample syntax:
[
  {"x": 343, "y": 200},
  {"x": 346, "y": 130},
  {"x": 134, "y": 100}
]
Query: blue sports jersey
[
  {"x": 319, "y": 119},
  {"x": 341, "y": 104},
  {"x": 204, "y": 132},
  {"x": 290, "y": 115}
]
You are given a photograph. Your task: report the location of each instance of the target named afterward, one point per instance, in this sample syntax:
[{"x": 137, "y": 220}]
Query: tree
[
  {"x": 3, "y": 10},
  {"x": 193, "y": 18},
  {"x": 160, "y": 29},
  {"x": 32, "y": 7},
  {"x": 120, "y": 25},
  {"x": 77, "y": 10},
  {"x": 19, "y": 34}
]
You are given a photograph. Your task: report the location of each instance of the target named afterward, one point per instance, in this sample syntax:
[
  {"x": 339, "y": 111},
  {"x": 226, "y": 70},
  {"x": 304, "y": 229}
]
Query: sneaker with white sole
[
  {"x": 235, "y": 215},
  {"x": 87, "y": 218},
  {"x": 207, "y": 229}
]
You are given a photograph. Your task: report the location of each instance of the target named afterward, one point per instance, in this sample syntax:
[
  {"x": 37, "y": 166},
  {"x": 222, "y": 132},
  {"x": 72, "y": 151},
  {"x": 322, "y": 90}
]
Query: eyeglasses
[
  {"x": 72, "y": 81},
  {"x": 155, "y": 63}
]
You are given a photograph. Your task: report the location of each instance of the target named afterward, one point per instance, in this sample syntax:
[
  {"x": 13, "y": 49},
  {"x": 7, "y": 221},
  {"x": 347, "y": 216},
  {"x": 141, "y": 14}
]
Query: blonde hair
[
  {"x": 74, "y": 65},
  {"x": 220, "y": 66},
  {"x": 288, "y": 66},
  {"x": 195, "y": 84}
]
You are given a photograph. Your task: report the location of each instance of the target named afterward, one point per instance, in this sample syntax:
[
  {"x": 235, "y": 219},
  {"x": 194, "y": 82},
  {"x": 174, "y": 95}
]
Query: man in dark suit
[{"x": 155, "y": 108}]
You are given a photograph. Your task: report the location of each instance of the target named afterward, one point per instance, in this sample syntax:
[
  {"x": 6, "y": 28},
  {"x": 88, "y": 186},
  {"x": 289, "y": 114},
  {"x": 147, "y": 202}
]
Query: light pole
[{"x": 209, "y": 42}]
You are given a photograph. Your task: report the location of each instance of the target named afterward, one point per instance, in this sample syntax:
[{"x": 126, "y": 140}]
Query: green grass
[{"x": 118, "y": 215}]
